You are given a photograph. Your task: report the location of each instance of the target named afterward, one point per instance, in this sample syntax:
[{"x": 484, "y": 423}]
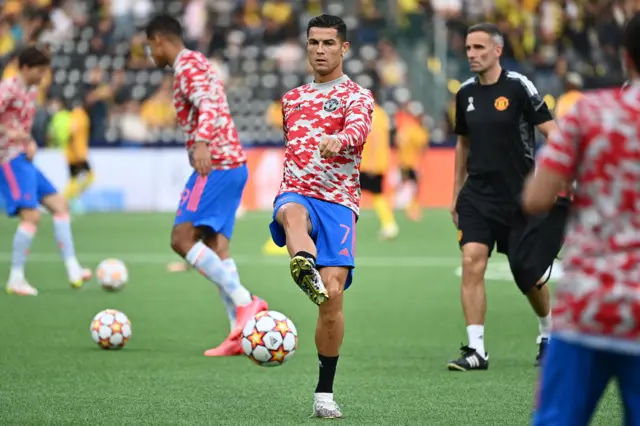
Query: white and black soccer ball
[
  {"x": 269, "y": 339},
  {"x": 112, "y": 274},
  {"x": 111, "y": 329}
]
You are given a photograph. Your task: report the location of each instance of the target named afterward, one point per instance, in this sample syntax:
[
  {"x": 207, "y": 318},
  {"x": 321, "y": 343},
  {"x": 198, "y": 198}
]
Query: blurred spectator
[
  {"x": 371, "y": 20},
  {"x": 448, "y": 9},
  {"x": 289, "y": 55},
  {"x": 131, "y": 126},
  {"x": 7, "y": 42},
  {"x": 157, "y": 112},
  {"x": 62, "y": 22},
  {"x": 195, "y": 22},
  {"x": 391, "y": 68},
  {"x": 138, "y": 58},
  {"x": 573, "y": 86},
  {"x": 122, "y": 13},
  {"x": 99, "y": 95}
]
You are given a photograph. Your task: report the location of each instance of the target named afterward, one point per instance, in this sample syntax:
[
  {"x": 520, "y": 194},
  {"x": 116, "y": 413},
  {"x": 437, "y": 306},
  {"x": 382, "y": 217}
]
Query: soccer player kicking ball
[
  {"x": 596, "y": 329},
  {"x": 326, "y": 123},
  {"x": 206, "y": 214},
  {"x": 22, "y": 185}
]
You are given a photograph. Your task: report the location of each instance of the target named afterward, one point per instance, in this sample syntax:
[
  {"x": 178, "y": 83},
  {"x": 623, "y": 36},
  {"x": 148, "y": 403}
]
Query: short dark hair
[
  {"x": 33, "y": 57},
  {"x": 329, "y": 21},
  {"x": 486, "y": 28},
  {"x": 631, "y": 40},
  {"x": 165, "y": 25}
]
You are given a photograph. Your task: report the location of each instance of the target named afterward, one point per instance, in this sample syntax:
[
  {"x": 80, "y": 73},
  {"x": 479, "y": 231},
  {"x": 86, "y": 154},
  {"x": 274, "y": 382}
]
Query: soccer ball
[
  {"x": 111, "y": 329},
  {"x": 269, "y": 339},
  {"x": 112, "y": 274}
]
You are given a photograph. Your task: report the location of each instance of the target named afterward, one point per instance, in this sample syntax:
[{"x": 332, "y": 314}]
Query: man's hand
[
  {"x": 329, "y": 147},
  {"x": 201, "y": 159},
  {"x": 454, "y": 213},
  {"x": 31, "y": 150},
  {"x": 18, "y": 135}
]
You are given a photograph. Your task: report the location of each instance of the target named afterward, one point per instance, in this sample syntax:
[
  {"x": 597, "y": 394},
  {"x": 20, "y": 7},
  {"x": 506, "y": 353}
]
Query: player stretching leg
[
  {"x": 496, "y": 115},
  {"x": 206, "y": 215},
  {"x": 596, "y": 329},
  {"x": 326, "y": 124},
  {"x": 22, "y": 185}
]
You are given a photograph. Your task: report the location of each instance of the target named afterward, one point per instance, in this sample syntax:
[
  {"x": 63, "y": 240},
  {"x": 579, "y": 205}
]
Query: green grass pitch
[{"x": 403, "y": 323}]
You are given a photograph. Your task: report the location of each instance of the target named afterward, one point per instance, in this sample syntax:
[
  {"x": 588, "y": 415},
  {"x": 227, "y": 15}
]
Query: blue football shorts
[
  {"x": 22, "y": 185},
  {"x": 333, "y": 230},
  {"x": 212, "y": 201},
  {"x": 574, "y": 378}
]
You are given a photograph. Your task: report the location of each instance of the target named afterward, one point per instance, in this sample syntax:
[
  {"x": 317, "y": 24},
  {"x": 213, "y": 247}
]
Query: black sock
[
  {"x": 328, "y": 366},
  {"x": 307, "y": 256}
]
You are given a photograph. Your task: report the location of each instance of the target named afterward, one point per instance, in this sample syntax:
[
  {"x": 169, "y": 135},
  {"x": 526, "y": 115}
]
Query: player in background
[
  {"x": 206, "y": 214},
  {"x": 411, "y": 139},
  {"x": 497, "y": 113},
  {"x": 77, "y": 154},
  {"x": 596, "y": 328},
  {"x": 326, "y": 124},
  {"x": 22, "y": 185},
  {"x": 376, "y": 161},
  {"x": 572, "y": 94},
  {"x": 69, "y": 130}
]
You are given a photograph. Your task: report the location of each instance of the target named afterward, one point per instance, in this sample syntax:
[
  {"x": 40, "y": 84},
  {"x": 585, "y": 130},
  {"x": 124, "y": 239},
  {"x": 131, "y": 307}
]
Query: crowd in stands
[{"x": 100, "y": 68}]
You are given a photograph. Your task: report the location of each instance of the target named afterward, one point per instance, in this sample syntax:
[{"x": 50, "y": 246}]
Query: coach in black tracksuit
[{"x": 496, "y": 115}]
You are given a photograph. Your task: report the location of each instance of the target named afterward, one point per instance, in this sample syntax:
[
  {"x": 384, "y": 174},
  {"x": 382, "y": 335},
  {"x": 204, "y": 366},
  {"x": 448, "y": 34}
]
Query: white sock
[
  {"x": 544, "y": 325},
  {"x": 323, "y": 397},
  {"x": 74, "y": 270},
  {"x": 209, "y": 264},
  {"x": 476, "y": 338},
  {"x": 16, "y": 275}
]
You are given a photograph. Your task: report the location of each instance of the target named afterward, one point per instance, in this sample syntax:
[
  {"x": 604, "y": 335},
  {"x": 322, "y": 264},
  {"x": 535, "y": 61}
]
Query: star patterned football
[
  {"x": 112, "y": 274},
  {"x": 111, "y": 329},
  {"x": 269, "y": 339}
]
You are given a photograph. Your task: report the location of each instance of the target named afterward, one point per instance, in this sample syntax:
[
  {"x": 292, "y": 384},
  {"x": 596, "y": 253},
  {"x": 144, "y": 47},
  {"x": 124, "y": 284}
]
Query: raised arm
[{"x": 357, "y": 123}]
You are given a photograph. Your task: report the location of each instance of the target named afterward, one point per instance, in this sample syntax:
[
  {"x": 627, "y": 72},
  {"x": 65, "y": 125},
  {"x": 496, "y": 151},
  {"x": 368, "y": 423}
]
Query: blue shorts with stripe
[
  {"x": 333, "y": 230},
  {"x": 212, "y": 201},
  {"x": 22, "y": 185}
]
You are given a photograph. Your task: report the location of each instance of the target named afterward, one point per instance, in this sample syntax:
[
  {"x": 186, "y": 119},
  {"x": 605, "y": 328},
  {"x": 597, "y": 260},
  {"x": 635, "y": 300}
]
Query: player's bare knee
[
  {"x": 30, "y": 216},
  {"x": 56, "y": 204},
  {"x": 182, "y": 239},
  {"x": 474, "y": 264},
  {"x": 293, "y": 217}
]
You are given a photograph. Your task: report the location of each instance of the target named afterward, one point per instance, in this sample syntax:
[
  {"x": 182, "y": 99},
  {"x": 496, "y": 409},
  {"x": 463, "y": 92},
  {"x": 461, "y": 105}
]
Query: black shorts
[
  {"x": 408, "y": 174},
  {"x": 531, "y": 244},
  {"x": 371, "y": 182},
  {"x": 76, "y": 169}
]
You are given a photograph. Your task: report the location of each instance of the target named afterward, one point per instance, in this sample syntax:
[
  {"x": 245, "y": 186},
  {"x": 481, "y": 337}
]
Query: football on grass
[
  {"x": 112, "y": 274},
  {"x": 111, "y": 329},
  {"x": 269, "y": 339}
]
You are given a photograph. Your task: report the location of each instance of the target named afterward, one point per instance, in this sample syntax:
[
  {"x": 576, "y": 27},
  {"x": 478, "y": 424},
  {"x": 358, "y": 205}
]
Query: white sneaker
[
  {"x": 78, "y": 277},
  {"x": 21, "y": 288},
  {"x": 389, "y": 233},
  {"x": 326, "y": 409}
]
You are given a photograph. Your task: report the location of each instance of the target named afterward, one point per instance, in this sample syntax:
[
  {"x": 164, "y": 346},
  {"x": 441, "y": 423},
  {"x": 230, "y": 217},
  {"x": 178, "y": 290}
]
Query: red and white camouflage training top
[
  {"x": 203, "y": 112},
  {"x": 598, "y": 143},
  {"x": 17, "y": 110},
  {"x": 339, "y": 108}
]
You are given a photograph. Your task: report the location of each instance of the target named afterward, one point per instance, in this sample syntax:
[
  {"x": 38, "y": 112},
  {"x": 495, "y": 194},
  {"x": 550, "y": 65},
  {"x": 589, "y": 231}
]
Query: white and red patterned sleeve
[
  {"x": 196, "y": 83},
  {"x": 6, "y": 95},
  {"x": 357, "y": 123},
  {"x": 561, "y": 151}
]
